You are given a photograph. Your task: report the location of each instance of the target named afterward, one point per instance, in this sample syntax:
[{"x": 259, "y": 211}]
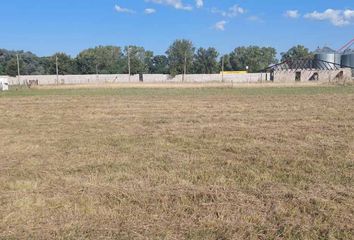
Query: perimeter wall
[{"x": 146, "y": 78}]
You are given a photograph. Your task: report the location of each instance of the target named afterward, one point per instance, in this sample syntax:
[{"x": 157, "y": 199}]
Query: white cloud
[
  {"x": 123, "y": 10},
  {"x": 254, "y": 18},
  {"x": 292, "y": 14},
  {"x": 220, "y": 26},
  {"x": 349, "y": 14},
  {"x": 233, "y": 11},
  {"x": 336, "y": 17},
  {"x": 178, "y": 4},
  {"x": 150, "y": 11},
  {"x": 199, "y": 3}
]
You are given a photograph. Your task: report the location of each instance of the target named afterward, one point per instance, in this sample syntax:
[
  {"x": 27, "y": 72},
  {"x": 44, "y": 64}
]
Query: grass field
[{"x": 193, "y": 163}]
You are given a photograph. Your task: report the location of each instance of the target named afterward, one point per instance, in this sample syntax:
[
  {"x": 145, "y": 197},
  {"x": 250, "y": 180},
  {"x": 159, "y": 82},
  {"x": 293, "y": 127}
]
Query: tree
[
  {"x": 11, "y": 67},
  {"x": 227, "y": 63},
  {"x": 205, "y": 61},
  {"x": 29, "y": 63},
  {"x": 180, "y": 55},
  {"x": 296, "y": 52},
  {"x": 66, "y": 65},
  {"x": 256, "y": 58},
  {"x": 138, "y": 58},
  {"x": 101, "y": 59},
  {"x": 159, "y": 65}
]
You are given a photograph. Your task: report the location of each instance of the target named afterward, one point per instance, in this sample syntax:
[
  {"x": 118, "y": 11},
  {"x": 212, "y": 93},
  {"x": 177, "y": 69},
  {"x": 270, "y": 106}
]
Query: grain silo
[
  {"x": 328, "y": 55},
  {"x": 348, "y": 58}
]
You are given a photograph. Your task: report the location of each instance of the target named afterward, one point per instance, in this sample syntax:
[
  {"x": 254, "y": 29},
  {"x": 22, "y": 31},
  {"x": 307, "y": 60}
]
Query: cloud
[
  {"x": 292, "y": 14},
  {"x": 123, "y": 10},
  {"x": 254, "y": 18},
  {"x": 349, "y": 14},
  {"x": 199, "y": 3},
  {"x": 177, "y": 4},
  {"x": 336, "y": 17},
  {"x": 220, "y": 26},
  {"x": 233, "y": 11},
  {"x": 150, "y": 11}
]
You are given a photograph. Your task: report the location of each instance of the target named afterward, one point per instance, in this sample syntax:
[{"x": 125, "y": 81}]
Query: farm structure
[{"x": 309, "y": 70}]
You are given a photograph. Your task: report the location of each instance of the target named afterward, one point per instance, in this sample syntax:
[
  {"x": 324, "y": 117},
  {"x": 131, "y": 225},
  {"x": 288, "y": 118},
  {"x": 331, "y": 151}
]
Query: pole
[
  {"x": 18, "y": 69},
  {"x": 57, "y": 68},
  {"x": 222, "y": 68},
  {"x": 185, "y": 66},
  {"x": 129, "y": 70},
  {"x": 97, "y": 76}
]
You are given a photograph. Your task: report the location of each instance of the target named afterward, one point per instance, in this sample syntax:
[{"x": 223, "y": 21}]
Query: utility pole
[
  {"x": 57, "y": 68},
  {"x": 222, "y": 68},
  {"x": 185, "y": 66},
  {"x": 97, "y": 76},
  {"x": 18, "y": 69},
  {"x": 129, "y": 62}
]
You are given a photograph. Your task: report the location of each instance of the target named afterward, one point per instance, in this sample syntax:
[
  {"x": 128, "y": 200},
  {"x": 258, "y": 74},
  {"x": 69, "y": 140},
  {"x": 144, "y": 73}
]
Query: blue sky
[{"x": 48, "y": 26}]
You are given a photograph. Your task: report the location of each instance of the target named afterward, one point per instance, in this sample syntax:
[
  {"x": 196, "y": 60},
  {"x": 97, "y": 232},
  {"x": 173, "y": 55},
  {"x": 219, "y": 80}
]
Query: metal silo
[
  {"x": 327, "y": 55},
  {"x": 348, "y": 59}
]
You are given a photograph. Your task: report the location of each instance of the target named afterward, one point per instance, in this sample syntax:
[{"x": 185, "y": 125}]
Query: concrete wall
[
  {"x": 287, "y": 76},
  {"x": 75, "y": 79},
  {"x": 147, "y": 78}
]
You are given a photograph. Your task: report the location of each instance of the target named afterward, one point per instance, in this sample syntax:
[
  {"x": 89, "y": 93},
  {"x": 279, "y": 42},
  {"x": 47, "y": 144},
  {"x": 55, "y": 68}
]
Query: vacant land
[{"x": 210, "y": 163}]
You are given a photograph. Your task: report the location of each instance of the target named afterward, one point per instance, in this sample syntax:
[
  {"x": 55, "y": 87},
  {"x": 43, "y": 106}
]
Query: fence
[{"x": 146, "y": 78}]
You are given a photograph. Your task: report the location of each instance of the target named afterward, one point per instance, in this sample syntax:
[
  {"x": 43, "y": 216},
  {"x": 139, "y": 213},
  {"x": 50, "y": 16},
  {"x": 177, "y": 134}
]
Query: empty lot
[{"x": 208, "y": 163}]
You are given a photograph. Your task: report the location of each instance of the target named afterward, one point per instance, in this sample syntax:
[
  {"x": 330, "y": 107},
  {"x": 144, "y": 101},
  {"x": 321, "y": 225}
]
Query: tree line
[{"x": 180, "y": 57}]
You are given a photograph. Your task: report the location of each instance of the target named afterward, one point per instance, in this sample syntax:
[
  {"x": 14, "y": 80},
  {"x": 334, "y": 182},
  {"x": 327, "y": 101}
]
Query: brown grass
[
  {"x": 223, "y": 166},
  {"x": 181, "y": 85}
]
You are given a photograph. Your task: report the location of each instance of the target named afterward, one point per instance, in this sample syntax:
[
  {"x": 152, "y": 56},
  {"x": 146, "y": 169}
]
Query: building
[{"x": 310, "y": 70}]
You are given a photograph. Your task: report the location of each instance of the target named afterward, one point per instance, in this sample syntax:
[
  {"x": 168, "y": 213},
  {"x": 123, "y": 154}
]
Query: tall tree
[
  {"x": 227, "y": 64},
  {"x": 11, "y": 67},
  {"x": 180, "y": 54},
  {"x": 29, "y": 63},
  {"x": 296, "y": 52},
  {"x": 159, "y": 65},
  {"x": 256, "y": 58},
  {"x": 138, "y": 58},
  {"x": 66, "y": 65},
  {"x": 101, "y": 59},
  {"x": 205, "y": 61}
]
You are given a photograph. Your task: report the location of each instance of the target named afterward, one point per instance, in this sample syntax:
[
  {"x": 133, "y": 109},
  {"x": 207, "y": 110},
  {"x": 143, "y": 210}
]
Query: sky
[{"x": 45, "y": 27}]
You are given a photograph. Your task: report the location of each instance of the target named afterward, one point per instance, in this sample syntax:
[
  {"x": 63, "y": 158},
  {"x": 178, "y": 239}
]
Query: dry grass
[
  {"x": 196, "y": 164},
  {"x": 180, "y": 85}
]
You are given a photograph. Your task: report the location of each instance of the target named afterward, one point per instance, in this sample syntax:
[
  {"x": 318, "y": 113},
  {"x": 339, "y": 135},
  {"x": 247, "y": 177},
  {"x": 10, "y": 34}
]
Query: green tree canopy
[
  {"x": 296, "y": 52},
  {"x": 102, "y": 59},
  {"x": 140, "y": 60},
  {"x": 66, "y": 65},
  {"x": 227, "y": 64},
  {"x": 256, "y": 58},
  {"x": 181, "y": 52},
  {"x": 159, "y": 65},
  {"x": 205, "y": 61}
]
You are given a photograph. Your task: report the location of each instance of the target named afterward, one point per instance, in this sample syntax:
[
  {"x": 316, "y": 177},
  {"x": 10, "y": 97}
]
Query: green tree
[
  {"x": 159, "y": 65},
  {"x": 227, "y": 63},
  {"x": 180, "y": 53},
  {"x": 139, "y": 60},
  {"x": 205, "y": 61},
  {"x": 101, "y": 59},
  {"x": 30, "y": 64},
  {"x": 11, "y": 67},
  {"x": 256, "y": 58},
  {"x": 66, "y": 65},
  {"x": 296, "y": 52}
]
